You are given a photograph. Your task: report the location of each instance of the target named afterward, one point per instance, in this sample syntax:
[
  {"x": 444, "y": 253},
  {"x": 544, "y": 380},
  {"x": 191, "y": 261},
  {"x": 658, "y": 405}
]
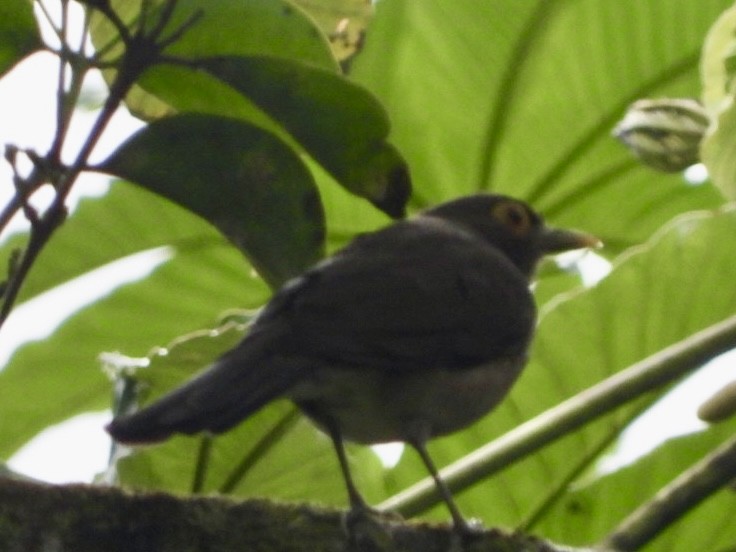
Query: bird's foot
[
  {"x": 369, "y": 529},
  {"x": 464, "y": 534},
  {"x": 468, "y": 528}
]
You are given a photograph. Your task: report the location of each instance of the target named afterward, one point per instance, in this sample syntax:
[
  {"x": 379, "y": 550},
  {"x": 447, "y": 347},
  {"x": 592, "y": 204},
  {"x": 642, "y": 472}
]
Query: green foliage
[
  {"x": 521, "y": 98},
  {"x": 18, "y": 34},
  {"x": 255, "y": 131},
  {"x": 226, "y": 28},
  {"x": 718, "y": 90},
  {"x": 581, "y": 516},
  {"x": 338, "y": 123},
  {"x": 249, "y": 184},
  {"x": 60, "y": 376}
]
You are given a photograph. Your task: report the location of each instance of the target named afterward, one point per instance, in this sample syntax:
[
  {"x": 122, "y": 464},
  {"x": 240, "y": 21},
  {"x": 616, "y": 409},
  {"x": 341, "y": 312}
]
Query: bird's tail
[{"x": 235, "y": 386}]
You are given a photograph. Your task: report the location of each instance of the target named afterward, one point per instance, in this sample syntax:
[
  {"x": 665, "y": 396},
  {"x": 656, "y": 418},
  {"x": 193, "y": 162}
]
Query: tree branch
[
  {"x": 684, "y": 493},
  {"x": 83, "y": 518}
]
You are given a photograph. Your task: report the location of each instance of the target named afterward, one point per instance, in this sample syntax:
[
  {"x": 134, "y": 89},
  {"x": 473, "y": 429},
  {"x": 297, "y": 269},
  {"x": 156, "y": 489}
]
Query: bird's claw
[
  {"x": 368, "y": 529},
  {"x": 469, "y": 528}
]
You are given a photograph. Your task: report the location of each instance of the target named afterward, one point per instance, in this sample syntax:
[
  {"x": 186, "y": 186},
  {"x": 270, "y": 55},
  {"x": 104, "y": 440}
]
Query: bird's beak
[{"x": 554, "y": 240}]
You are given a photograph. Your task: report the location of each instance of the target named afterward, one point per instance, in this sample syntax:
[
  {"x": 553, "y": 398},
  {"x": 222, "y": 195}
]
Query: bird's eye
[{"x": 513, "y": 216}]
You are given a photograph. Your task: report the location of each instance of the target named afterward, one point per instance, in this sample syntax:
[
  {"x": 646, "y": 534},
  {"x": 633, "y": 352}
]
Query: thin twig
[
  {"x": 65, "y": 100},
  {"x": 142, "y": 51},
  {"x": 178, "y": 33},
  {"x": 40, "y": 234},
  {"x": 49, "y": 19},
  {"x": 266, "y": 443},
  {"x": 112, "y": 16},
  {"x": 203, "y": 463},
  {"x": 11, "y": 208},
  {"x": 166, "y": 13},
  {"x": 82, "y": 47},
  {"x": 142, "y": 22}
]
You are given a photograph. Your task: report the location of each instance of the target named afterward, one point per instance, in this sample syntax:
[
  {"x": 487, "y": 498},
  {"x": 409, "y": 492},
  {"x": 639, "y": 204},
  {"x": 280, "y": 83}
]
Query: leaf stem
[
  {"x": 203, "y": 463},
  {"x": 271, "y": 438}
]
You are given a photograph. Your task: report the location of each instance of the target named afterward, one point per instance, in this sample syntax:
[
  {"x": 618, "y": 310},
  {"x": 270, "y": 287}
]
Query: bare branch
[{"x": 712, "y": 473}]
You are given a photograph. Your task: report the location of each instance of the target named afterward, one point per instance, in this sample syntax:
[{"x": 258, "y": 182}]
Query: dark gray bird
[{"x": 413, "y": 331}]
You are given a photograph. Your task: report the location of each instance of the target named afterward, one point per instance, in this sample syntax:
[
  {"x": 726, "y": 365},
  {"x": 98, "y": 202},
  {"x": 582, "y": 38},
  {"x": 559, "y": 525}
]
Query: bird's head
[{"x": 513, "y": 227}]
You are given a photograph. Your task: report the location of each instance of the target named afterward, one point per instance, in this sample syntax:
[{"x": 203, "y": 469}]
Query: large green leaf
[
  {"x": 223, "y": 28},
  {"x": 583, "y": 517},
  {"x": 18, "y": 33},
  {"x": 521, "y": 97},
  {"x": 48, "y": 381},
  {"x": 282, "y": 89},
  {"x": 238, "y": 177},
  {"x": 336, "y": 122},
  {"x": 718, "y": 68},
  {"x": 718, "y": 152},
  {"x": 717, "y": 64},
  {"x": 344, "y": 22},
  {"x": 101, "y": 234},
  {"x": 340, "y": 124}
]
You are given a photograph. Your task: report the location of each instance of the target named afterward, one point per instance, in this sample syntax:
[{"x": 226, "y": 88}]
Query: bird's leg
[
  {"x": 363, "y": 524},
  {"x": 457, "y": 518},
  {"x": 357, "y": 504}
]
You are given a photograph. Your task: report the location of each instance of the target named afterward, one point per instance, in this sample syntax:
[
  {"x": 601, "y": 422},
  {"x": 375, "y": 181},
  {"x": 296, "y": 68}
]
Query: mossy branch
[{"x": 83, "y": 518}]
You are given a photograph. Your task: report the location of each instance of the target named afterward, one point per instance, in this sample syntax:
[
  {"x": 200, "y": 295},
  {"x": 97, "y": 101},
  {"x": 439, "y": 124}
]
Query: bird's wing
[{"x": 409, "y": 297}]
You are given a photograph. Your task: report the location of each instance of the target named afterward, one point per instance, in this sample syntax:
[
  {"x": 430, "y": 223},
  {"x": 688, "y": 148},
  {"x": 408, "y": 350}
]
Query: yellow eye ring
[{"x": 513, "y": 216}]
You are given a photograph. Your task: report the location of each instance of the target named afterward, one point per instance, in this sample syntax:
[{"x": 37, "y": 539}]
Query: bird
[{"x": 408, "y": 333}]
